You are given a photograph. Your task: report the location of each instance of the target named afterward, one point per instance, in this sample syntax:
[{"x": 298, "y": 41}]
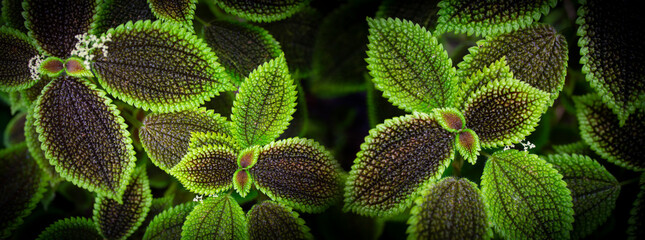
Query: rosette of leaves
[
  {"x": 262, "y": 11},
  {"x": 401, "y": 156}
]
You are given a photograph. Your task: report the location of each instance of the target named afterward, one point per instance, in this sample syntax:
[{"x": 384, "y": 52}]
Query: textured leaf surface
[
  {"x": 158, "y": 66},
  {"x": 157, "y": 206},
  {"x": 12, "y": 14},
  {"x": 75, "y": 228},
  {"x": 118, "y": 220},
  {"x": 207, "y": 170},
  {"x": 579, "y": 147},
  {"x": 593, "y": 189},
  {"x": 636, "y": 228},
  {"x": 396, "y": 160},
  {"x": 168, "y": 224},
  {"x": 264, "y": 104},
  {"x": 497, "y": 70},
  {"x": 113, "y": 13},
  {"x": 409, "y": 65},
  {"x": 450, "y": 119},
  {"x": 200, "y": 139},
  {"x": 84, "y": 137},
  {"x": 490, "y": 17},
  {"x": 526, "y": 197},
  {"x": 14, "y": 133},
  {"x": 262, "y": 11},
  {"x": 31, "y": 94},
  {"x": 451, "y": 209},
  {"x": 216, "y": 218},
  {"x": 31, "y": 138},
  {"x": 423, "y": 13},
  {"x": 166, "y": 136},
  {"x": 242, "y": 182},
  {"x": 468, "y": 145},
  {"x": 16, "y": 52},
  {"x": 180, "y": 11},
  {"x": 612, "y": 53},
  {"x": 271, "y": 220}
]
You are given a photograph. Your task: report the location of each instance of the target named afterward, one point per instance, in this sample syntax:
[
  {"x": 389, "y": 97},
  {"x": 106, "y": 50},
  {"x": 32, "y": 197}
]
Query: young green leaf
[
  {"x": 113, "y": 13},
  {"x": 450, "y": 209},
  {"x": 207, "y": 170},
  {"x": 168, "y": 224},
  {"x": 262, "y": 11},
  {"x": 470, "y": 84},
  {"x": 74, "y": 67},
  {"x": 396, "y": 161},
  {"x": 423, "y": 13},
  {"x": 593, "y": 189},
  {"x": 299, "y": 173},
  {"x": 490, "y": 17},
  {"x": 636, "y": 229},
  {"x": 135, "y": 65},
  {"x": 409, "y": 65},
  {"x": 467, "y": 143},
  {"x": 31, "y": 138},
  {"x": 15, "y": 131},
  {"x": 52, "y": 67},
  {"x": 242, "y": 182},
  {"x": 200, "y": 139},
  {"x": 74, "y": 228},
  {"x": 526, "y": 197},
  {"x": 264, "y": 104},
  {"x": 271, "y": 220},
  {"x": 84, "y": 137},
  {"x": 612, "y": 54},
  {"x": 450, "y": 119},
  {"x": 116, "y": 220},
  {"x": 579, "y": 147},
  {"x": 180, "y": 11},
  {"x": 19, "y": 55},
  {"x": 12, "y": 14},
  {"x": 216, "y": 218}
]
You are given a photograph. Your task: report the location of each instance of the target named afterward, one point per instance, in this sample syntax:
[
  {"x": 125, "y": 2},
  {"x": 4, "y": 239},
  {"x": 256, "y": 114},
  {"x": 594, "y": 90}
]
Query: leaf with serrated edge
[
  {"x": 526, "y": 197},
  {"x": 200, "y": 139},
  {"x": 242, "y": 182},
  {"x": 262, "y": 11},
  {"x": 118, "y": 221},
  {"x": 485, "y": 18},
  {"x": 450, "y": 119},
  {"x": 31, "y": 94},
  {"x": 299, "y": 173},
  {"x": 168, "y": 224},
  {"x": 113, "y": 13},
  {"x": 450, "y": 209},
  {"x": 271, "y": 220},
  {"x": 264, "y": 104},
  {"x": 17, "y": 51},
  {"x": 636, "y": 229},
  {"x": 180, "y": 11},
  {"x": 74, "y": 228},
  {"x": 423, "y": 13},
  {"x": 467, "y": 143},
  {"x": 84, "y": 137},
  {"x": 470, "y": 84},
  {"x": 216, "y": 218},
  {"x": 31, "y": 138},
  {"x": 157, "y": 206},
  {"x": 397, "y": 159},
  {"x": 12, "y": 14},
  {"x": 207, "y": 170},
  {"x": 14, "y": 133},
  {"x": 166, "y": 137},
  {"x": 158, "y": 66},
  {"x": 579, "y": 147},
  {"x": 409, "y": 65},
  {"x": 593, "y": 189},
  {"x": 600, "y": 129}
]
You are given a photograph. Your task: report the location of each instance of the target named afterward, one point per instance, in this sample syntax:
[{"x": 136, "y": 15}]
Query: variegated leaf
[
  {"x": 207, "y": 170},
  {"x": 112, "y": 13},
  {"x": 180, "y": 11},
  {"x": 12, "y": 14},
  {"x": 423, "y": 13}
]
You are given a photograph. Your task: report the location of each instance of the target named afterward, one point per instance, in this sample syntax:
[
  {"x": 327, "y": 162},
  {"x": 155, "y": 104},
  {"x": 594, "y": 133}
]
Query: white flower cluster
[
  {"x": 86, "y": 43},
  {"x": 198, "y": 198},
  {"x": 34, "y": 65},
  {"x": 528, "y": 145}
]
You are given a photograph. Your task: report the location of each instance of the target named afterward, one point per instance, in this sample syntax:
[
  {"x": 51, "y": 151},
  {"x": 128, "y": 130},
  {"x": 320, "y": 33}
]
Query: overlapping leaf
[
  {"x": 216, "y": 218},
  {"x": 207, "y": 170},
  {"x": 113, "y": 13},
  {"x": 271, "y": 220},
  {"x": 17, "y": 51},
  {"x": 396, "y": 160},
  {"x": 31, "y": 138},
  {"x": 75, "y": 228},
  {"x": 467, "y": 143},
  {"x": 14, "y": 133},
  {"x": 158, "y": 66},
  {"x": 31, "y": 94},
  {"x": 200, "y": 139},
  {"x": 157, "y": 206},
  {"x": 470, "y": 84},
  {"x": 526, "y": 197},
  {"x": 12, "y": 14},
  {"x": 423, "y": 13},
  {"x": 262, "y": 11},
  {"x": 450, "y": 119},
  {"x": 612, "y": 53},
  {"x": 168, "y": 224},
  {"x": 84, "y": 137},
  {"x": 593, "y": 189},
  {"x": 636, "y": 229},
  {"x": 180, "y": 11},
  {"x": 579, "y": 147}
]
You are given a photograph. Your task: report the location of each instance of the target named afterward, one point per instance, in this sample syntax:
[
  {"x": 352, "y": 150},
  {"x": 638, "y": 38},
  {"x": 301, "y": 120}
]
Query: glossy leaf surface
[
  {"x": 262, "y": 11},
  {"x": 271, "y": 220},
  {"x": 75, "y": 228},
  {"x": 113, "y": 13},
  {"x": 180, "y": 11},
  {"x": 207, "y": 170},
  {"x": 168, "y": 224},
  {"x": 217, "y": 218},
  {"x": 17, "y": 51}
]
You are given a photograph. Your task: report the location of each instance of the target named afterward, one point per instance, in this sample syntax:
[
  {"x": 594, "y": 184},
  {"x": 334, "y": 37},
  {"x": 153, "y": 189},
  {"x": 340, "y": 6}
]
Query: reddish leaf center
[
  {"x": 453, "y": 121},
  {"x": 467, "y": 139},
  {"x": 74, "y": 66},
  {"x": 241, "y": 178},
  {"x": 246, "y": 160},
  {"x": 53, "y": 66}
]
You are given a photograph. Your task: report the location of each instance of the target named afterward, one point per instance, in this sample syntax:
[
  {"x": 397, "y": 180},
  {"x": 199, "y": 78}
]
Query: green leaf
[
  {"x": 612, "y": 54},
  {"x": 450, "y": 209},
  {"x": 526, "y": 197},
  {"x": 579, "y": 147},
  {"x": 490, "y": 17},
  {"x": 116, "y": 220},
  {"x": 397, "y": 159},
  {"x": 157, "y": 206},
  {"x": 593, "y": 189},
  {"x": 31, "y": 94},
  {"x": 409, "y": 65},
  {"x": 15, "y": 131},
  {"x": 497, "y": 70},
  {"x": 241, "y": 47},
  {"x": 636, "y": 229},
  {"x": 158, "y": 66},
  {"x": 167, "y": 136},
  {"x": 299, "y": 173},
  {"x": 74, "y": 67},
  {"x": 262, "y": 11},
  {"x": 200, "y": 139},
  {"x": 207, "y": 170},
  {"x": 179, "y": 11},
  {"x": 18, "y": 53},
  {"x": 242, "y": 182},
  {"x": 423, "y": 13},
  {"x": 450, "y": 119},
  {"x": 271, "y": 220},
  {"x": 12, "y": 14},
  {"x": 467, "y": 143},
  {"x": 536, "y": 55},
  {"x": 31, "y": 138},
  {"x": 54, "y": 24},
  {"x": 16, "y": 102},
  {"x": 264, "y": 104},
  {"x": 248, "y": 158},
  {"x": 52, "y": 67},
  {"x": 600, "y": 129},
  {"x": 74, "y": 228},
  {"x": 113, "y": 13},
  {"x": 504, "y": 111},
  {"x": 22, "y": 187},
  {"x": 168, "y": 224},
  {"x": 216, "y": 218}
]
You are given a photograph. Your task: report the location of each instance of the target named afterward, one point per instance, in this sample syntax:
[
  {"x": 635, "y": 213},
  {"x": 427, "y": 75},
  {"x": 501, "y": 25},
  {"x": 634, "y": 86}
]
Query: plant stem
[
  {"x": 134, "y": 122},
  {"x": 633, "y": 180}
]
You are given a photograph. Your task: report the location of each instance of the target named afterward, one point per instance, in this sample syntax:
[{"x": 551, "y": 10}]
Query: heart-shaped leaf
[
  {"x": 262, "y": 11},
  {"x": 200, "y": 139},
  {"x": 526, "y": 197},
  {"x": 31, "y": 138},
  {"x": 14, "y": 133},
  {"x": 216, "y": 218},
  {"x": 19, "y": 53},
  {"x": 168, "y": 224},
  {"x": 180, "y": 11},
  {"x": 271, "y": 220},
  {"x": 12, "y": 14},
  {"x": 207, "y": 170},
  {"x": 397, "y": 159},
  {"x": 636, "y": 228},
  {"x": 423, "y": 13},
  {"x": 75, "y": 228},
  {"x": 84, "y": 137},
  {"x": 113, "y": 13}
]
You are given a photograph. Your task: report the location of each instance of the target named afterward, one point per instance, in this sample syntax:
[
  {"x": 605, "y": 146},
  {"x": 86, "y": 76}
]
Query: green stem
[
  {"x": 206, "y": 24},
  {"x": 131, "y": 119},
  {"x": 630, "y": 181}
]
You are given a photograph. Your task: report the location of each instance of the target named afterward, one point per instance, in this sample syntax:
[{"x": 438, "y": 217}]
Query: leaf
[
  {"x": 12, "y": 14},
  {"x": 179, "y": 11},
  {"x": 216, "y": 218},
  {"x": 593, "y": 189},
  {"x": 423, "y": 13},
  {"x": 74, "y": 67},
  {"x": 17, "y": 52},
  {"x": 636, "y": 228},
  {"x": 31, "y": 94},
  {"x": 485, "y": 18},
  {"x": 167, "y": 136},
  {"x": 157, "y": 206},
  {"x": 397, "y": 159},
  {"x": 116, "y": 220},
  {"x": 611, "y": 54},
  {"x": 113, "y": 13},
  {"x": 298, "y": 173},
  {"x": 264, "y": 104},
  {"x": 54, "y": 24},
  {"x": 74, "y": 228},
  {"x": 242, "y": 182},
  {"x": 526, "y": 197},
  {"x": 271, "y": 220},
  {"x": 450, "y": 209},
  {"x": 158, "y": 66},
  {"x": 168, "y": 224},
  {"x": 579, "y": 147},
  {"x": 31, "y": 138},
  {"x": 52, "y": 67},
  {"x": 241, "y": 47},
  {"x": 15, "y": 131},
  {"x": 262, "y": 11},
  {"x": 450, "y": 119},
  {"x": 497, "y": 70},
  {"x": 504, "y": 111},
  {"x": 22, "y": 187},
  {"x": 409, "y": 65},
  {"x": 467, "y": 143},
  {"x": 200, "y": 139},
  {"x": 207, "y": 170}
]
